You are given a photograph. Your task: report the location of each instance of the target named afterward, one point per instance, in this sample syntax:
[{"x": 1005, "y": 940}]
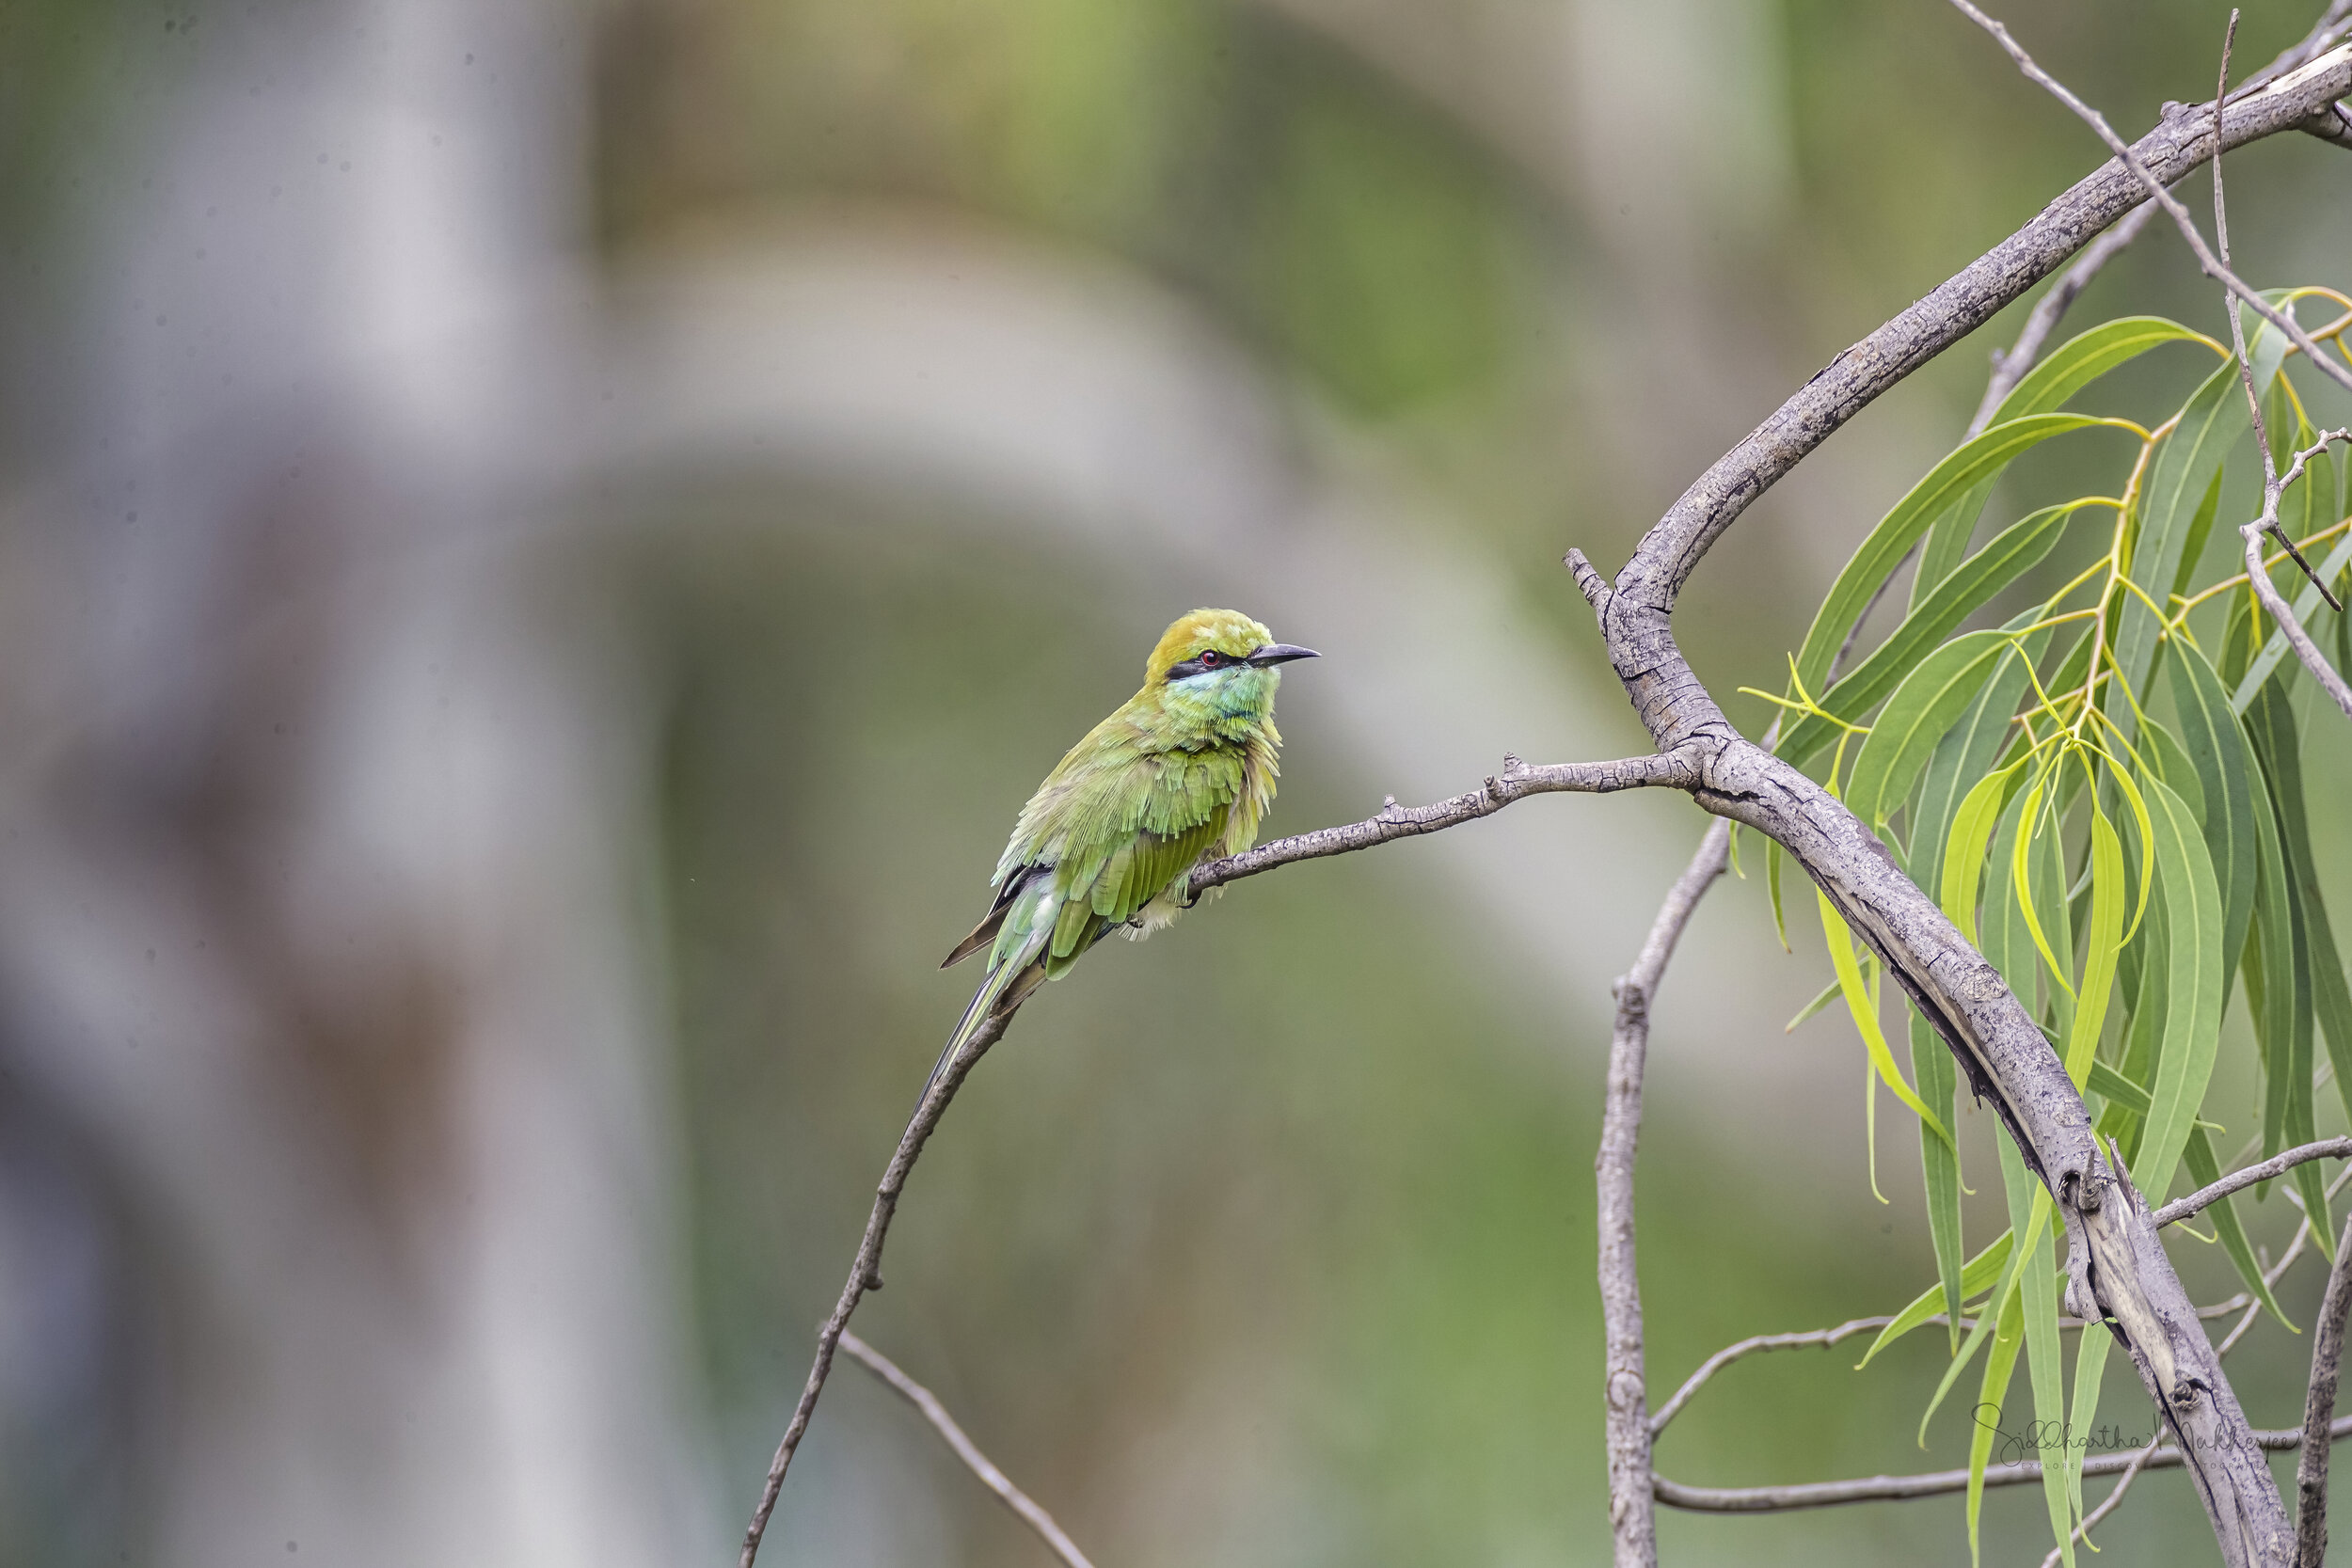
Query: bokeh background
[{"x": 542, "y": 545}]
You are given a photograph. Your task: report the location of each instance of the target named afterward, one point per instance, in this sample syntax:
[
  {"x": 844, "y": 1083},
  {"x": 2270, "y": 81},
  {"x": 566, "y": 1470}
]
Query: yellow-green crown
[{"x": 1227, "y": 631}]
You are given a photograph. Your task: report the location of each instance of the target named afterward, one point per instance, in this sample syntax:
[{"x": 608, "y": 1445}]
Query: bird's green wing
[{"x": 1133, "y": 831}]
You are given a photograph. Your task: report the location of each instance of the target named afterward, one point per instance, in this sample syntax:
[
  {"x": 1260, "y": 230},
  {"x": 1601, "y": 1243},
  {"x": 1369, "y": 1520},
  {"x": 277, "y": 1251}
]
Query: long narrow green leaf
[
  {"x": 2192, "y": 1023},
  {"x": 2200, "y": 529},
  {"x": 2212, "y": 421},
  {"x": 1976, "y": 1277},
  {"x": 2143, "y": 1034},
  {"x": 1930, "y": 701},
  {"x": 2106, "y": 945},
  {"x": 2269, "y": 966},
  {"x": 2217, "y": 748},
  {"x": 1938, "y": 1079},
  {"x": 1998, "y": 1367},
  {"x": 1772, "y": 879},
  {"x": 1964, "y": 856},
  {"x": 1885, "y": 546},
  {"x": 1966, "y": 753},
  {"x": 2090, "y": 1364},
  {"x": 2318, "y": 973},
  {"x": 2204, "y": 1170},
  {"x": 2082, "y": 359},
  {"x": 1866, "y": 1015},
  {"x": 2018, "y": 1304},
  {"x": 2039, "y": 878},
  {"x": 1994, "y": 1308},
  {"x": 2123, "y": 1091},
  {"x": 2046, "y": 1372},
  {"x": 2006, "y": 943},
  {"x": 2271, "y": 721},
  {"x": 2005, "y": 558}
]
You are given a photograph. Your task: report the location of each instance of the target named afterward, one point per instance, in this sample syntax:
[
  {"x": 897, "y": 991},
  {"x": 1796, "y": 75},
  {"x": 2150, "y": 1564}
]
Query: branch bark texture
[{"x": 1632, "y": 1509}]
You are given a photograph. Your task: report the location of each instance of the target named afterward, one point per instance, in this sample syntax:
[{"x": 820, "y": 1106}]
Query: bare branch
[
  {"x": 2214, "y": 266},
  {"x": 1826, "y": 1493},
  {"x": 973, "y": 1460},
  {"x": 1632, "y": 1506},
  {"x": 2319, "y": 1404},
  {"x": 865, "y": 1273},
  {"x": 1518, "y": 781},
  {"x": 2238, "y": 1181}
]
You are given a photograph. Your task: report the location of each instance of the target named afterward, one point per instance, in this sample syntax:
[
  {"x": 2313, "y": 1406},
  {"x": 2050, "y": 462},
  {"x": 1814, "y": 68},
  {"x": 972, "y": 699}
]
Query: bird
[{"x": 1182, "y": 772}]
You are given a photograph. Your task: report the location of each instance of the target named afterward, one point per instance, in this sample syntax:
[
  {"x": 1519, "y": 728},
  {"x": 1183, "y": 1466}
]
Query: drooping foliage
[{"x": 2105, "y": 793}]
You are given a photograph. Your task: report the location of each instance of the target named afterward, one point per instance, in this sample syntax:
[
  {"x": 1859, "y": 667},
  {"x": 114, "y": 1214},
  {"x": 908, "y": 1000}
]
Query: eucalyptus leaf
[
  {"x": 1930, "y": 701},
  {"x": 1886, "y": 544},
  {"x": 2185, "y": 464},
  {"x": 2006, "y": 557},
  {"x": 2216, "y": 750},
  {"x": 2192, "y": 1020}
]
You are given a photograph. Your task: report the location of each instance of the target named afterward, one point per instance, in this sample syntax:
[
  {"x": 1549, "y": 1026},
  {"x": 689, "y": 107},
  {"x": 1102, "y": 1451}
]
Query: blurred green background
[{"x": 544, "y": 546}]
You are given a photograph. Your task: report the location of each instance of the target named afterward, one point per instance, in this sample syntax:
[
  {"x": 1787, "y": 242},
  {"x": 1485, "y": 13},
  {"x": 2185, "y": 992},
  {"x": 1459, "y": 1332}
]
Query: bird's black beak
[{"x": 1280, "y": 653}]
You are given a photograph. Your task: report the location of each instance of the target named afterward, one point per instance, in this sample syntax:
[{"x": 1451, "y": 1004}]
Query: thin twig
[
  {"x": 1826, "y": 1493},
  {"x": 1632, "y": 1509},
  {"x": 865, "y": 1273},
  {"x": 1518, "y": 781},
  {"x": 2319, "y": 1406},
  {"x": 2213, "y": 265},
  {"x": 2237, "y": 1180},
  {"x": 973, "y": 1460}
]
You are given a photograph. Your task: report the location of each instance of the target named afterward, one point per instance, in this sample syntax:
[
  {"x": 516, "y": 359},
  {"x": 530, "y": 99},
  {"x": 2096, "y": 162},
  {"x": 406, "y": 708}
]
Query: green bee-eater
[{"x": 1181, "y": 773}]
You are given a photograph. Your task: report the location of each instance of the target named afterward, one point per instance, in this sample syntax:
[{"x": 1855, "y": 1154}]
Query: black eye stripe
[{"x": 1203, "y": 662}]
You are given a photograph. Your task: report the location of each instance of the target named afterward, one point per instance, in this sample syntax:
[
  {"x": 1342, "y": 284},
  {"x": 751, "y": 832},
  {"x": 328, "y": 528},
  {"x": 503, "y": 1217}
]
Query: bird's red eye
[{"x": 1211, "y": 659}]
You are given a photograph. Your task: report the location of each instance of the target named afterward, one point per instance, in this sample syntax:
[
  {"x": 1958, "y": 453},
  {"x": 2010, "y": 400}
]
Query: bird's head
[{"x": 1219, "y": 663}]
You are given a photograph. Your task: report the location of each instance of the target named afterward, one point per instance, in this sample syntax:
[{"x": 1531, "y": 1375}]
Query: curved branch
[
  {"x": 2237, "y": 1180},
  {"x": 973, "y": 1460},
  {"x": 1828, "y": 1493},
  {"x": 865, "y": 1273},
  {"x": 1632, "y": 1514},
  {"x": 1518, "y": 781}
]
